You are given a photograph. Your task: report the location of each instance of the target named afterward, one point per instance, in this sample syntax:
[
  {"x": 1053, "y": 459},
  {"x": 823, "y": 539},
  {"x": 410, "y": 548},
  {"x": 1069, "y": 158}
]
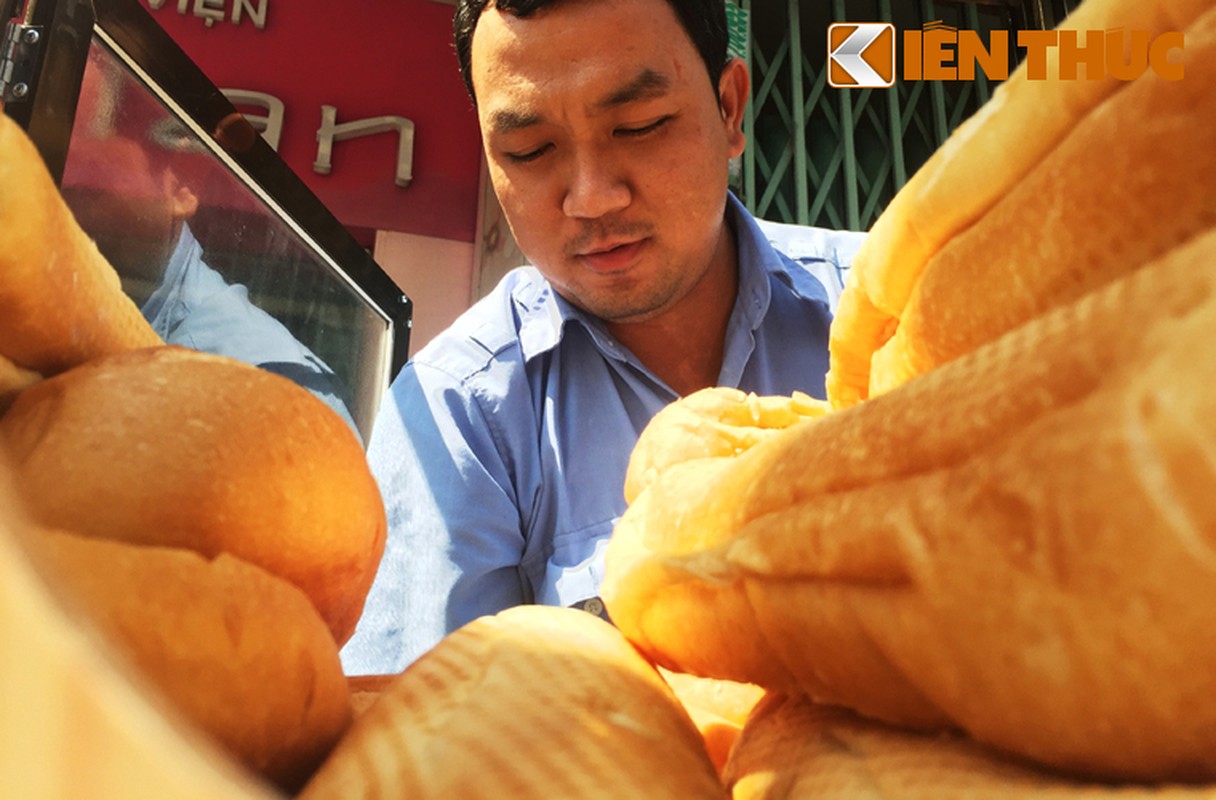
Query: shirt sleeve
[{"x": 455, "y": 539}]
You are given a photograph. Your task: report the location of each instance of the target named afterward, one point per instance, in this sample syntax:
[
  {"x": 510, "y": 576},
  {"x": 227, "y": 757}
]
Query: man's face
[
  {"x": 127, "y": 207},
  {"x": 607, "y": 149}
]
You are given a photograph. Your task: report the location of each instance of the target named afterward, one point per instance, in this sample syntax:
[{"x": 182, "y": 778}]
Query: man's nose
[{"x": 596, "y": 186}]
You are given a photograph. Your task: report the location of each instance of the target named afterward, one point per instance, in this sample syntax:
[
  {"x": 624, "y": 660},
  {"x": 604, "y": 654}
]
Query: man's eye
[
  {"x": 529, "y": 155},
  {"x": 645, "y": 129}
]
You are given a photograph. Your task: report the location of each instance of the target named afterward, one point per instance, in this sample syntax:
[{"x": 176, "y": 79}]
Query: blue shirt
[{"x": 501, "y": 448}]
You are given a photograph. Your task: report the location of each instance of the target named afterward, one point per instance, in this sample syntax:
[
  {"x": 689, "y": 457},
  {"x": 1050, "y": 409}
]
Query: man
[{"x": 608, "y": 127}]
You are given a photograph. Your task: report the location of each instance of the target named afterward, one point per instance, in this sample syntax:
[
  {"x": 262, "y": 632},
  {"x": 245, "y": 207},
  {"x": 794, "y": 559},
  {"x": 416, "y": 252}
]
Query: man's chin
[
  {"x": 621, "y": 302},
  {"x": 620, "y": 311}
]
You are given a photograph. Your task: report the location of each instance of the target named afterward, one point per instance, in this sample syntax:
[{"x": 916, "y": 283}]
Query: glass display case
[{"x": 221, "y": 246}]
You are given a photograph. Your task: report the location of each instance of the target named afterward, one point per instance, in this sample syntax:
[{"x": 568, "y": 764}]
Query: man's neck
[{"x": 685, "y": 345}]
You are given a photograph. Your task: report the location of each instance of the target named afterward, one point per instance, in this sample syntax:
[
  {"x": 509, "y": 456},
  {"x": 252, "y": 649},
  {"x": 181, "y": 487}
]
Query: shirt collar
[
  {"x": 544, "y": 314},
  {"x": 757, "y": 260}
]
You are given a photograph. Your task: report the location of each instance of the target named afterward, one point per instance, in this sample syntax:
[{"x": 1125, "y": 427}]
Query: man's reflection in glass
[{"x": 133, "y": 186}]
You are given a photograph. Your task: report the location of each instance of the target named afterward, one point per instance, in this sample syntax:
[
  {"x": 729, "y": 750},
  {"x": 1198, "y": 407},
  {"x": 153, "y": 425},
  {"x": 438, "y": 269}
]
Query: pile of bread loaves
[
  {"x": 991, "y": 562},
  {"x": 984, "y": 567},
  {"x": 217, "y": 524},
  {"x": 186, "y": 542}
]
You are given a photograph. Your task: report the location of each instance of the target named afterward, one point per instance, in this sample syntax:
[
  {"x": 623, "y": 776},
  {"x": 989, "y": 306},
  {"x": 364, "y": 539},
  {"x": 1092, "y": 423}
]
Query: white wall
[
  {"x": 445, "y": 277},
  {"x": 436, "y": 274}
]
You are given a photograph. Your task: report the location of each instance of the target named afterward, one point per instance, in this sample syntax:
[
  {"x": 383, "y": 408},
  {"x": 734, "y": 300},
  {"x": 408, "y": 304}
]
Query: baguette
[
  {"x": 718, "y": 709},
  {"x": 61, "y": 302},
  {"x": 988, "y": 167},
  {"x": 169, "y": 446},
  {"x": 792, "y": 748},
  {"x": 1014, "y": 544},
  {"x": 366, "y": 689},
  {"x": 78, "y": 721},
  {"x": 718, "y": 421},
  {"x": 534, "y": 702},
  {"x": 239, "y": 652},
  {"x": 1121, "y": 195}
]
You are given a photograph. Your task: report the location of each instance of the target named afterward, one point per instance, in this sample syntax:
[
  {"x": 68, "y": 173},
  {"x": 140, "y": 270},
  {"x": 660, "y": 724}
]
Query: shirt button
[{"x": 594, "y": 606}]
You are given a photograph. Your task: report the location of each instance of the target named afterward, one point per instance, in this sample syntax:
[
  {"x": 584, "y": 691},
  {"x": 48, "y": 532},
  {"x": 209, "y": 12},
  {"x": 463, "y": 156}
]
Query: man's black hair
[{"x": 704, "y": 20}]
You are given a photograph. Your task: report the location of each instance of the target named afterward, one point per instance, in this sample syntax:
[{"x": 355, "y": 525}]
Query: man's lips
[{"x": 611, "y": 257}]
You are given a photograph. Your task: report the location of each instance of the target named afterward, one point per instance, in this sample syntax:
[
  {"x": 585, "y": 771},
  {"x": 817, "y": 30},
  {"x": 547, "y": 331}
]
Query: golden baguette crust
[
  {"x": 366, "y": 689},
  {"x": 173, "y": 447},
  {"x": 61, "y": 302},
  {"x": 711, "y": 423},
  {"x": 78, "y": 722},
  {"x": 1016, "y": 543},
  {"x": 534, "y": 702},
  {"x": 1109, "y": 198},
  {"x": 239, "y": 652},
  {"x": 983, "y": 160},
  {"x": 793, "y": 748},
  {"x": 718, "y": 708}
]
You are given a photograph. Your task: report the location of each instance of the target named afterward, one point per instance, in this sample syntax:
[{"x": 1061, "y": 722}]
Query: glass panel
[{"x": 210, "y": 264}]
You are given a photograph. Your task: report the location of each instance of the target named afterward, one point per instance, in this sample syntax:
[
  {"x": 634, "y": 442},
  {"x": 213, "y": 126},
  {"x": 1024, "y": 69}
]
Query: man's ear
[
  {"x": 733, "y": 88},
  {"x": 183, "y": 202}
]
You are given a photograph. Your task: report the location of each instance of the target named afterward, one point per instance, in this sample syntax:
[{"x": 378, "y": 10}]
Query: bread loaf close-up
[
  {"x": 1050, "y": 189},
  {"x": 79, "y": 721},
  {"x": 173, "y": 447},
  {"x": 61, "y": 302},
  {"x": 1014, "y": 544},
  {"x": 793, "y": 749},
  {"x": 534, "y": 702},
  {"x": 718, "y": 708},
  {"x": 241, "y": 653},
  {"x": 1120, "y": 196},
  {"x": 719, "y": 421}
]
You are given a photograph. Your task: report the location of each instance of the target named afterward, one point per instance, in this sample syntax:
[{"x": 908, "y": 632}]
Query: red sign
[{"x": 371, "y": 87}]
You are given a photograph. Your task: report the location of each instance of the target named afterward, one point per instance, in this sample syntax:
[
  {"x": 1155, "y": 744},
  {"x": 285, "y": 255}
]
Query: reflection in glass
[{"x": 210, "y": 265}]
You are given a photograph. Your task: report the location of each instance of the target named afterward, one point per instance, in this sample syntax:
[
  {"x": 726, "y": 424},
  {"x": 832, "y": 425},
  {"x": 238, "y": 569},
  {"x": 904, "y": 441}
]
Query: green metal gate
[{"x": 835, "y": 157}]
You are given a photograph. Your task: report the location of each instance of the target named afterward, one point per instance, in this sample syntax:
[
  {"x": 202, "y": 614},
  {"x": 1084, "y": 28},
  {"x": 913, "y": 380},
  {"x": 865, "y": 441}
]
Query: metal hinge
[{"x": 18, "y": 58}]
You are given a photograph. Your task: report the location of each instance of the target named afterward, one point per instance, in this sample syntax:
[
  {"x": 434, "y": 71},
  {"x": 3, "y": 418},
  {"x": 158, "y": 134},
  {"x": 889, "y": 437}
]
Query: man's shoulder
[
  {"x": 804, "y": 242},
  {"x": 208, "y": 313},
  {"x": 486, "y": 336},
  {"x": 822, "y": 253}
]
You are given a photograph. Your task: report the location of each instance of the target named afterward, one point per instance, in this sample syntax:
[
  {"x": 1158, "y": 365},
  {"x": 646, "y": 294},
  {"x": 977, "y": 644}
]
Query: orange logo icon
[{"x": 861, "y": 55}]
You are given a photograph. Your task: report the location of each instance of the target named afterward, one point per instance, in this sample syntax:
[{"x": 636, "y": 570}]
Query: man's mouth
[{"x": 611, "y": 256}]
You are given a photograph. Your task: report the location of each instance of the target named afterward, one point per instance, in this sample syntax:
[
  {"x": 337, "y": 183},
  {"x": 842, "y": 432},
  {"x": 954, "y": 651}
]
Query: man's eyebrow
[
  {"x": 647, "y": 84},
  {"x": 506, "y": 120}
]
